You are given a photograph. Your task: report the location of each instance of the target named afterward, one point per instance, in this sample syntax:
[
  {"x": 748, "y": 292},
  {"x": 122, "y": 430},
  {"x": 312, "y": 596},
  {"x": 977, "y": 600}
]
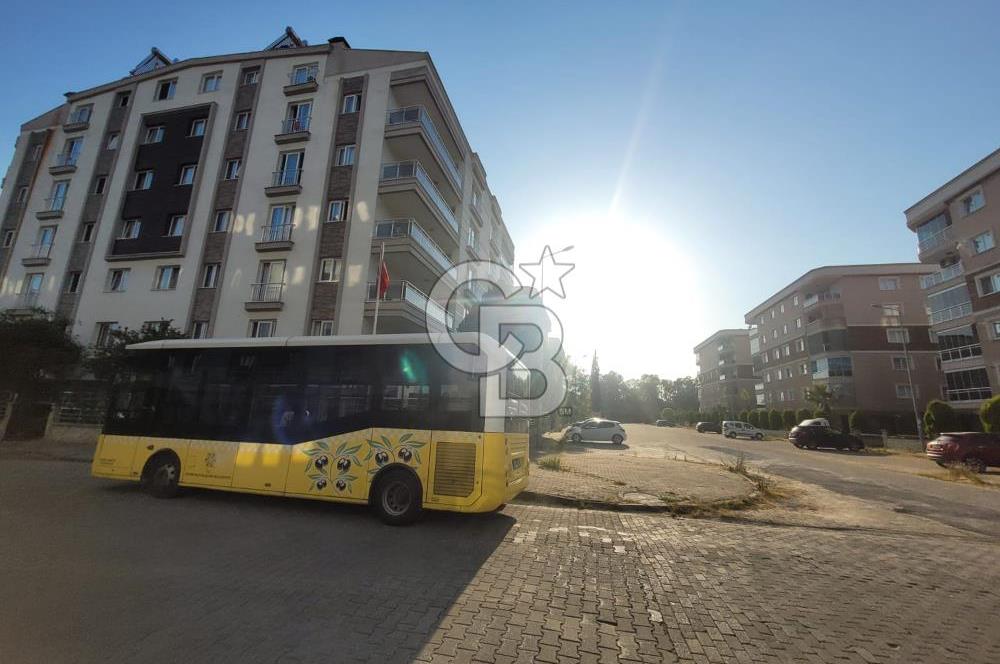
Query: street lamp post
[{"x": 909, "y": 380}]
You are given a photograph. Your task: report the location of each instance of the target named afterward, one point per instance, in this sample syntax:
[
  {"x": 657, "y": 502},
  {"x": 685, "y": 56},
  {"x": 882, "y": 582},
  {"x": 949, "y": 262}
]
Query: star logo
[{"x": 547, "y": 274}]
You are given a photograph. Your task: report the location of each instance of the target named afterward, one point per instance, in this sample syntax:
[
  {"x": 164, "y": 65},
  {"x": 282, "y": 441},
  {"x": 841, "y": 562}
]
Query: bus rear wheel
[
  {"x": 161, "y": 474},
  {"x": 396, "y": 497}
]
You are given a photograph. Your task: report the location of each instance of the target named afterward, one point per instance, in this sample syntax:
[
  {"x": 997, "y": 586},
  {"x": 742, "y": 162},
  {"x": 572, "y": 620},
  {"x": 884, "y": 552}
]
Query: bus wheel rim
[
  {"x": 396, "y": 498},
  {"x": 166, "y": 475}
]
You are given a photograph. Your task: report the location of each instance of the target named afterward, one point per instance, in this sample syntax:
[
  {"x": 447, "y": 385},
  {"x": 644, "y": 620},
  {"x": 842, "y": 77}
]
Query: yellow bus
[{"x": 377, "y": 419}]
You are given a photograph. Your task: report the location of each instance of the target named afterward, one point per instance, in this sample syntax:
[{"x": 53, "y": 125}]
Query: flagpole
[{"x": 378, "y": 287}]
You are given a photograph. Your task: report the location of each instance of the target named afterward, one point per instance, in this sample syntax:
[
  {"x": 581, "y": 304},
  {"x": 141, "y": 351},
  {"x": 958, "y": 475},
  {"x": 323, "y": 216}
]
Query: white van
[{"x": 734, "y": 429}]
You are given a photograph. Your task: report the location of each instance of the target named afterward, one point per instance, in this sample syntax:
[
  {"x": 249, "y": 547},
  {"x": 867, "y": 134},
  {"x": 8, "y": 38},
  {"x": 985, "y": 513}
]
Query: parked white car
[
  {"x": 597, "y": 430},
  {"x": 734, "y": 429}
]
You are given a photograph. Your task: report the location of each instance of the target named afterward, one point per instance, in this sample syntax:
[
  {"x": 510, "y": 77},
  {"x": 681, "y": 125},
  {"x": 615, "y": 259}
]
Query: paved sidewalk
[
  {"x": 612, "y": 477},
  {"x": 44, "y": 448}
]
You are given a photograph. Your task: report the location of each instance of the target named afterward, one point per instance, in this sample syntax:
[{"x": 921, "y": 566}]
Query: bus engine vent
[{"x": 454, "y": 469}]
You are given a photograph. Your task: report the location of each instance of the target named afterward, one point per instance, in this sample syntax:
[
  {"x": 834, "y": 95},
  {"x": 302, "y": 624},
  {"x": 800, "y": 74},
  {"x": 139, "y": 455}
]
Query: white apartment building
[{"x": 247, "y": 195}]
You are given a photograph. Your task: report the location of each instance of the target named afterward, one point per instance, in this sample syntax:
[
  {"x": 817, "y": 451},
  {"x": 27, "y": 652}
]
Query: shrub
[
  {"x": 753, "y": 417},
  {"x": 938, "y": 418},
  {"x": 819, "y": 412},
  {"x": 789, "y": 418},
  {"x": 744, "y": 416},
  {"x": 774, "y": 420},
  {"x": 989, "y": 415},
  {"x": 552, "y": 462},
  {"x": 859, "y": 421},
  {"x": 803, "y": 414}
]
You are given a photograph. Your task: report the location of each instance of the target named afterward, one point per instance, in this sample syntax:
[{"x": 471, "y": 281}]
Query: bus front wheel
[
  {"x": 161, "y": 474},
  {"x": 396, "y": 497}
]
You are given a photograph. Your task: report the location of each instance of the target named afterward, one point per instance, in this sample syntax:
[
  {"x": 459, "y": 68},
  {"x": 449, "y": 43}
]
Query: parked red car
[{"x": 975, "y": 450}]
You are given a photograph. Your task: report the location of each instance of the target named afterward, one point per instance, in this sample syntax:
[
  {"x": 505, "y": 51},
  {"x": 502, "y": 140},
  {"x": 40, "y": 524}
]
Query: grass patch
[
  {"x": 737, "y": 464},
  {"x": 551, "y": 462},
  {"x": 957, "y": 473}
]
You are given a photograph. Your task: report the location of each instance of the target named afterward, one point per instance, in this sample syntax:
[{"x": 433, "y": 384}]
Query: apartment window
[
  {"x": 995, "y": 325},
  {"x": 130, "y": 229},
  {"x": 143, "y": 180},
  {"x": 973, "y": 202},
  {"x": 888, "y": 283},
  {"x": 471, "y": 237},
  {"x": 175, "y": 227},
  {"x": 166, "y": 89},
  {"x": 210, "y": 275},
  {"x": 263, "y": 328},
  {"x": 798, "y": 323},
  {"x": 322, "y": 328},
  {"x": 251, "y": 77},
  {"x": 166, "y": 277},
  {"x": 898, "y": 335},
  {"x": 800, "y": 345},
  {"x": 211, "y": 82},
  {"x": 242, "y": 121},
  {"x": 8, "y": 238},
  {"x": 989, "y": 284},
  {"x": 99, "y": 184},
  {"x": 345, "y": 155},
  {"x": 112, "y": 143},
  {"x": 795, "y": 300},
  {"x": 904, "y": 391},
  {"x": 477, "y": 196},
  {"x": 73, "y": 282},
  {"x": 982, "y": 242},
  {"x": 804, "y": 368},
  {"x": 187, "y": 174},
  {"x": 777, "y": 355},
  {"x": 772, "y": 314},
  {"x": 197, "y": 127},
  {"x": 782, "y": 307},
  {"x": 338, "y": 210},
  {"x": 297, "y": 117},
  {"x": 787, "y": 371},
  {"x": 281, "y": 215},
  {"x": 786, "y": 350},
  {"x": 199, "y": 329},
  {"x": 900, "y": 362},
  {"x": 767, "y": 377},
  {"x": 59, "y": 191},
  {"x": 22, "y": 194},
  {"x": 117, "y": 280},
  {"x": 123, "y": 99},
  {"x": 87, "y": 232},
  {"x": 105, "y": 333},
  {"x": 289, "y": 168},
  {"x": 305, "y": 73},
  {"x": 784, "y": 328},
  {"x": 155, "y": 134},
  {"x": 232, "y": 169},
  {"x": 774, "y": 333},
  {"x": 891, "y": 311},
  {"x": 221, "y": 222},
  {"x": 351, "y": 104},
  {"x": 329, "y": 269}
]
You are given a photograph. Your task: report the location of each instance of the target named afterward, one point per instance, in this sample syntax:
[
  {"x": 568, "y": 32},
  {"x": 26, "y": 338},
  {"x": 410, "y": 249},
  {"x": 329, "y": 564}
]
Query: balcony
[
  {"x": 816, "y": 298},
  {"x": 265, "y": 297},
  {"x": 942, "y": 276},
  {"x": 405, "y": 308},
  {"x": 937, "y": 245},
  {"x": 285, "y": 183},
  {"x": 293, "y": 130},
  {"x": 407, "y": 189},
  {"x": 53, "y": 208},
  {"x": 275, "y": 238},
  {"x": 301, "y": 82},
  {"x": 38, "y": 256},
  {"x": 969, "y": 394},
  {"x": 414, "y": 120},
  {"x": 410, "y": 250},
  {"x": 64, "y": 163},
  {"x": 961, "y": 353},
  {"x": 951, "y": 313},
  {"x": 78, "y": 120},
  {"x": 26, "y": 302}
]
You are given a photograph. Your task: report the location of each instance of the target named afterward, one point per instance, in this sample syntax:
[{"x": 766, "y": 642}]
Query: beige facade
[
  {"x": 725, "y": 372},
  {"x": 378, "y": 135},
  {"x": 843, "y": 326},
  {"x": 957, "y": 227}
]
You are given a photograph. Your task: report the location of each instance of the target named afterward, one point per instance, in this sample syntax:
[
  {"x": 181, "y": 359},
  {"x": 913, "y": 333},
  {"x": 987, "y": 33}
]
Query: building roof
[
  {"x": 837, "y": 271},
  {"x": 720, "y": 333},
  {"x": 938, "y": 199}
]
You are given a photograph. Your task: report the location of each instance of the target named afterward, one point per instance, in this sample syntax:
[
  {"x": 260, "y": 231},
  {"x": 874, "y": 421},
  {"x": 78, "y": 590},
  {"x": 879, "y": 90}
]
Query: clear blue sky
[{"x": 726, "y": 147}]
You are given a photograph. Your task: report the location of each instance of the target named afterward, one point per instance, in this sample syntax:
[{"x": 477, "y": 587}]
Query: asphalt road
[{"x": 890, "y": 480}]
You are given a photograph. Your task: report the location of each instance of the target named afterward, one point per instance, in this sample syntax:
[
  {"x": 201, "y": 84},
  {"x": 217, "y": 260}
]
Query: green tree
[
  {"x": 744, "y": 416},
  {"x": 803, "y": 414},
  {"x": 938, "y": 418},
  {"x": 821, "y": 397},
  {"x": 109, "y": 364},
  {"x": 36, "y": 349},
  {"x": 680, "y": 393},
  {"x": 989, "y": 415},
  {"x": 789, "y": 419},
  {"x": 859, "y": 421},
  {"x": 669, "y": 414},
  {"x": 596, "y": 403},
  {"x": 774, "y": 420}
]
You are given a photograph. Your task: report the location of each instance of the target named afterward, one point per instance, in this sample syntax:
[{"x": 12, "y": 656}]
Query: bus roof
[{"x": 336, "y": 340}]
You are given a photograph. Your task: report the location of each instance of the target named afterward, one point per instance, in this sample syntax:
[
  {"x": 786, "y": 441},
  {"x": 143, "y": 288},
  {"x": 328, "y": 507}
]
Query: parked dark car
[
  {"x": 811, "y": 434},
  {"x": 708, "y": 427},
  {"x": 977, "y": 451},
  {"x": 664, "y": 423}
]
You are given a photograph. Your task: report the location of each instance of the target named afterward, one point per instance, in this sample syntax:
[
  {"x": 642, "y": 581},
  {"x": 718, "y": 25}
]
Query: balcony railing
[
  {"x": 961, "y": 353},
  {"x": 404, "y": 291},
  {"x": 936, "y": 240},
  {"x": 293, "y": 125},
  {"x": 969, "y": 394},
  {"x": 951, "y": 313},
  {"x": 412, "y": 169},
  {"x": 816, "y": 298},
  {"x": 40, "y": 250},
  {"x": 29, "y": 299},
  {"x": 281, "y": 233},
  {"x": 411, "y": 229},
  {"x": 55, "y": 203},
  {"x": 266, "y": 292},
  {"x": 65, "y": 159},
  {"x": 946, "y": 274},
  {"x": 304, "y": 75},
  {"x": 286, "y": 178},
  {"x": 398, "y": 116}
]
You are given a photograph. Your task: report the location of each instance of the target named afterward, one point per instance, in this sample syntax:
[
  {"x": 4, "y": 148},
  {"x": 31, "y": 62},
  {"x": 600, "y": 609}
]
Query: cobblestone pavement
[{"x": 94, "y": 571}]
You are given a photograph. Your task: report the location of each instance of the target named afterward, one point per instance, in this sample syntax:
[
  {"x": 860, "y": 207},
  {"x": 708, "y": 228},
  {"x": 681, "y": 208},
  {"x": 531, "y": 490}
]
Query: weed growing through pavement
[{"x": 552, "y": 462}]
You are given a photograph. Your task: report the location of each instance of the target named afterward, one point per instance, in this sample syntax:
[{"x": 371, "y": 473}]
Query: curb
[
  {"x": 687, "y": 508},
  {"x": 25, "y": 455}
]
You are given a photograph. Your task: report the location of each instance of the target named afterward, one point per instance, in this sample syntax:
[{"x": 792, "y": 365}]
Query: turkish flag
[{"x": 383, "y": 280}]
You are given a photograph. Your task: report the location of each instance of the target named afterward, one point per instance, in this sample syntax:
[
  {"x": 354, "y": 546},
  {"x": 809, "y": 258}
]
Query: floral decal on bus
[
  {"x": 325, "y": 466},
  {"x": 405, "y": 450}
]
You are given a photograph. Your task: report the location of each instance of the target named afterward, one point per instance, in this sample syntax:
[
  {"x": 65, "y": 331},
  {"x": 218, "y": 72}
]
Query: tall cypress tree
[{"x": 595, "y": 387}]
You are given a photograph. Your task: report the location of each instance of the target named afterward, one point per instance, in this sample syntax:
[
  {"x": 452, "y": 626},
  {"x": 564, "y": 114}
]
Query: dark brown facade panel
[
  {"x": 204, "y": 300},
  {"x": 347, "y": 128},
  {"x": 339, "y": 185},
  {"x": 874, "y": 337},
  {"x": 26, "y": 173},
  {"x": 331, "y": 240},
  {"x": 215, "y": 248},
  {"x": 225, "y": 196},
  {"x": 324, "y": 303}
]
